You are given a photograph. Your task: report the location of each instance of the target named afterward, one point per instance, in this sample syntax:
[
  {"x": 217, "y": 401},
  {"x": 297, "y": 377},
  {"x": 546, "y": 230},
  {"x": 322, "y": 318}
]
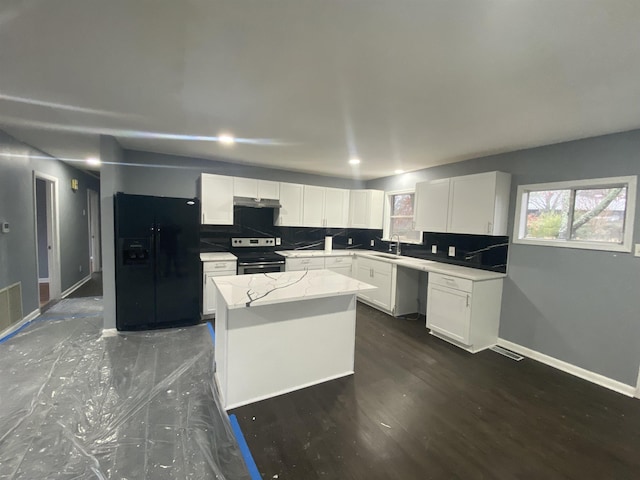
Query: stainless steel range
[{"x": 256, "y": 255}]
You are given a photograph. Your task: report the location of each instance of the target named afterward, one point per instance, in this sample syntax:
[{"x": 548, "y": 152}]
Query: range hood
[{"x": 256, "y": 202}]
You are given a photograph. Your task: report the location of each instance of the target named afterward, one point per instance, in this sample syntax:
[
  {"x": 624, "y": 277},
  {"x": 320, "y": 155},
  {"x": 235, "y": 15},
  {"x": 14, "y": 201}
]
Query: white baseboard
[
  {"x": 638, "y": 385},
  {"x": 109, "y": 332},
  {"x": 76, "y": 286},
  {"x": 20, "y": 324},
  {"x": 611, "y": 384}
]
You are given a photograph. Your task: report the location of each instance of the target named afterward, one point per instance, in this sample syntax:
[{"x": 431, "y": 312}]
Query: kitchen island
[{"x": 279, "y": 332}]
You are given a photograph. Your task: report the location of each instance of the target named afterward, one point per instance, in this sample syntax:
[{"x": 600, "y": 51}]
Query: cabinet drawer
[
  {"x": 452, "y": 282},
  {"x": 337, "y": 262},
  {"x": 316, "y": 263},
  {"x": 226, "y": 266}
]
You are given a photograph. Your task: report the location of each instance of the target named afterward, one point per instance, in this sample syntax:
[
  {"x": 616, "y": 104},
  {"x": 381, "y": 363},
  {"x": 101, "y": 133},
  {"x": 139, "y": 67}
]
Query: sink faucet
[{"x": 397, "y": 243}]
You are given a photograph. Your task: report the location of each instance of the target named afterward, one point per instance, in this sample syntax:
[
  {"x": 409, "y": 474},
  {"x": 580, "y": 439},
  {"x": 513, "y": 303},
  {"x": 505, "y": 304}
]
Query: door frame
[
  {"x": 93, "y": 217},
  {"x": 53, "y": 231}
]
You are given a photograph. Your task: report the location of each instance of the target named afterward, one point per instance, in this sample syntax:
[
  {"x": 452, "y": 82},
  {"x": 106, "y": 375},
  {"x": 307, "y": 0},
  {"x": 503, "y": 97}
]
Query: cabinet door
[
  {"x": 216, "y": 196},
  {"x": 245, "y": 187},
  {"x": 358, "y": 209},
  {"x": 290, "y": 211},
  {"x": 381, "y": 278},
  {"x": 313, "y": 206},
  {"x": 472, "y": 204},
  {"x": 336, "y": 208},
  {"x": 363, "y": 272},
  {"x": 432, "y": 206},
  {"x": 376, "y": 209},
  {"x": 209, "y": 295},
  {"x": 449, "y": 312},
  {"x": 268, "y": 189}
]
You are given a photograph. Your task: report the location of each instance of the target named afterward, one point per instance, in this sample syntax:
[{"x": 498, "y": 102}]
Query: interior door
[{"x": 94, "y": 231}]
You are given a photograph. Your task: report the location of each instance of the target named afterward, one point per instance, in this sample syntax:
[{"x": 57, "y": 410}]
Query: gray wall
[
  {"x": 579, "y": 306},
  {"x": 18, "y": 250},
  {"x": 111, "y": 156},
  {"x": 174, "y": 176}
]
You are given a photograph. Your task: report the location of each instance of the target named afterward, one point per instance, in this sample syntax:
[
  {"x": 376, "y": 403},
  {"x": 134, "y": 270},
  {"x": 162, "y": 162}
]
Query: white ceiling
[{"x": 401, "y": 84}]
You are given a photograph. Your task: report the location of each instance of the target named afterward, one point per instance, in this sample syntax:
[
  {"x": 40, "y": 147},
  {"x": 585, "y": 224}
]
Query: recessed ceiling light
[
  {"x": 398, "y": 171},
  {"x": 94, "y": 162},
  {"x": 354, "y": 161},
  {"x": 226, "y": 139}
]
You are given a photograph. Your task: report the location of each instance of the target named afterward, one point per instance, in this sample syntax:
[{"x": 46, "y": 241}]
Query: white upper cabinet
[
  {"x": 366, "y": 208},
  {"x": 475, "y": 204},
  {"x": 431, "y": 213},
  {"x": 290, "y": 212},
  {"x": 479, "y": 204},
  {"x": 313, "y": 206},
  {"x": 325, "y": 207},
  {"x": 336, "y": 208},
  {"x": 253, "y": 188},
  {"x": 216, "y": 197}
]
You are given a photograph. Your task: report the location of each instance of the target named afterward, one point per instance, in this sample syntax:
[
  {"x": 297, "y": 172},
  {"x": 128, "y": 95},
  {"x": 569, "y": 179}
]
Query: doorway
[
  {"x": 93, "y": 201},
  {"x": 47, "y": 237}
]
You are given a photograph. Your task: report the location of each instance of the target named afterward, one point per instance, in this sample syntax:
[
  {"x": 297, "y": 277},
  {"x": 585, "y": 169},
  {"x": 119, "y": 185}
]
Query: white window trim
[
  {"x": 629, "y": 219},
  {"x": 386, "y": 227}
]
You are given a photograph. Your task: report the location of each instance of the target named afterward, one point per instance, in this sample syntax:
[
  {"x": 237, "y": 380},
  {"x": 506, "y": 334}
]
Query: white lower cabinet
[
  {"x": 396, "y": 293},
  {"x": 302, "y": 264},
  {"x": 209, "y": 271},
  {"x": 339, "y": 264},
  {"x": 464, "y": 312}
]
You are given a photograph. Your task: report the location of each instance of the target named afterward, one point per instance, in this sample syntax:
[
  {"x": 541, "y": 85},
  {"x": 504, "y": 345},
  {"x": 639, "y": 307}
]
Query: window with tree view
[
  {"x": 401, "y": 218},
  {"x": 584, "y": 214}
]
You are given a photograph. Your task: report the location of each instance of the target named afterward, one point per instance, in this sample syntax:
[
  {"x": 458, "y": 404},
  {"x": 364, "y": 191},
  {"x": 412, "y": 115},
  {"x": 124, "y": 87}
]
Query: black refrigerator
[{"x": 157, "y": 261}]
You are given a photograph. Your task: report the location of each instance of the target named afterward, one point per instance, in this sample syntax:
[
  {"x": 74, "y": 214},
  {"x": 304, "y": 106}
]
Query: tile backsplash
[{"x": 479, "y": 251}]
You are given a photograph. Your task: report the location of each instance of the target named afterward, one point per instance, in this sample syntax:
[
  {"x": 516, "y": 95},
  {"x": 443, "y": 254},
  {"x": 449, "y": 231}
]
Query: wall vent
[
  {"x": 10, "y": 305},
  {"x": 506, "y": 353}
]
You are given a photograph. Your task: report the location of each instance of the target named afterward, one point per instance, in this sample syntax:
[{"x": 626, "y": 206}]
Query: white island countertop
[
  {"x": 242, "y": 291},
  {"x": 217, "y": 257}
]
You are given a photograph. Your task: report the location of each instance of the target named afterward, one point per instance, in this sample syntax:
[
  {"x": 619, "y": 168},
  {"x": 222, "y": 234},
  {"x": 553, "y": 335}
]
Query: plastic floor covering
[{"x": 77, "y": 405}]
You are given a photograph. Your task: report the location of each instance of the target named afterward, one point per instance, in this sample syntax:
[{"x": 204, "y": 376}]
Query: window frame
[
  {"x": 520, "y": 222},
  {"x": 386, "y": 227}
]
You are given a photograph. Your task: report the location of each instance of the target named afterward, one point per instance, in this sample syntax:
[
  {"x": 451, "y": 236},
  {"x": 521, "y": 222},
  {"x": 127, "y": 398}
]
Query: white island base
[{"x": 277, "y": 333}]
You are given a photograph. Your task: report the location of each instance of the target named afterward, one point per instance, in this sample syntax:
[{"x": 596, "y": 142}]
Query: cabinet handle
[
  {"x": 489, "y": 227},
  {"x": 467, "y": 300},
  {"x": 203, "y": 218}
]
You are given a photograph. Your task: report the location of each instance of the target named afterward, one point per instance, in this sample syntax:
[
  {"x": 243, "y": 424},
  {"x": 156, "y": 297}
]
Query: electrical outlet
[
  {"x": 452, "y": 251},
  {"x": 434, "y": 248},
  {"x": 278, "y": 241},
  {"x": 350, "y": 241},
  {"x": 373, "y": 243},
  {"x": 80, "y": 268},
  {"x": 637, "y": 250},
  {"x": 84, "y": 212}
]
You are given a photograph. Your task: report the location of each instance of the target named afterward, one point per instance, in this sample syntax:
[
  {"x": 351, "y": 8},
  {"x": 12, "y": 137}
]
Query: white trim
[
  {"x": 629, "y": 219},
  {"x": 588, "y": 375},
  {"x": 43, "y": 280},
  {"x": 75, "y": 286},
  {"x": 638, "y": 385},
  {"x": 16, "y": 326},
  {"x": 109, "y": 332}
]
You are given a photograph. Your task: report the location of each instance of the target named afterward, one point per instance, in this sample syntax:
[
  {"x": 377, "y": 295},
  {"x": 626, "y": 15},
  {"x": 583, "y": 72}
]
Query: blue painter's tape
[
  {"x": 212, "y": 332},
  {"x": 45, "y": 318},
  {"x": 244, "y": 449}
]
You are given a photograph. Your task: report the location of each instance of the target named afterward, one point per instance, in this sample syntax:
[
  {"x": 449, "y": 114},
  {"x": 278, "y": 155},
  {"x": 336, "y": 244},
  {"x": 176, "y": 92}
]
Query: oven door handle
[{"x": 259, "y": 264}]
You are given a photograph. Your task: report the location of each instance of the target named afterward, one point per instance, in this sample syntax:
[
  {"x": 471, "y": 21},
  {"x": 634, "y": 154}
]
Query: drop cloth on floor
[{"x": 76, "y": 405}]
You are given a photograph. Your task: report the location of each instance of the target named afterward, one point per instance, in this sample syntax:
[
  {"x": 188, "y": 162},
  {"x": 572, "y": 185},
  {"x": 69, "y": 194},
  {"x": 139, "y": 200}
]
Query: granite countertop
[
  {"x": 314, "y": 253},
  {"x": 242, "y": 291},
  {"x": 474, "y": 274},
  {"x": 216, "y": 256}
]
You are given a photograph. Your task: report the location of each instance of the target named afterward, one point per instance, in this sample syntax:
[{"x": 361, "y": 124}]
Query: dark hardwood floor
[
  {"x": 93, "y": 288},
  {"x": 419, "y": 408}
]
